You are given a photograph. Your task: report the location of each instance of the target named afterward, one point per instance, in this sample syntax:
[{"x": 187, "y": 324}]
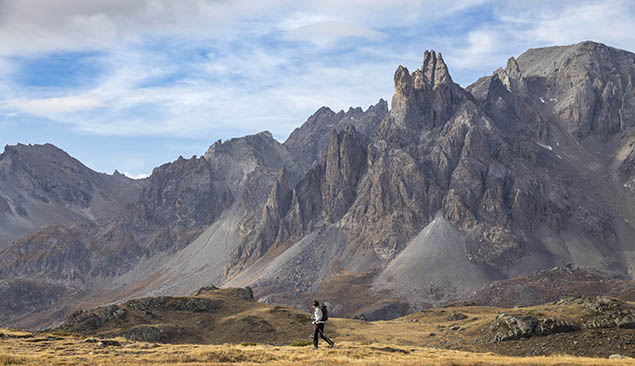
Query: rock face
[{"x": 525, "y": 170}]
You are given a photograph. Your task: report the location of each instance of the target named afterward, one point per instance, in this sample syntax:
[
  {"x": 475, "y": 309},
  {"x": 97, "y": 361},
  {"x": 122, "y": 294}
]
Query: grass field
[{"x": 21, "y": 348}]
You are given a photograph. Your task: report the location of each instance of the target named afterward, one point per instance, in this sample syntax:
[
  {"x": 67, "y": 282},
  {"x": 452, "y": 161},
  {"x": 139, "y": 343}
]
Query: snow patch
[
  {"x": 548, "y": 147},
  {"x": 542, "y": 100}
]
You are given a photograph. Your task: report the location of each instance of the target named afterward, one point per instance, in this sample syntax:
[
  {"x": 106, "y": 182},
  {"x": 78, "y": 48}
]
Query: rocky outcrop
[
  {"x": 509, "y": 327},
  {"x": 179, "y": 200},
  {"x": 596, "y": 312},
  {"x": 607, "y": 312}
]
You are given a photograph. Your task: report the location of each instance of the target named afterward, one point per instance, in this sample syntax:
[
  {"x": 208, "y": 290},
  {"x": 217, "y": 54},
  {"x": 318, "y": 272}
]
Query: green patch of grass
[{"x": 300, "y": 344}]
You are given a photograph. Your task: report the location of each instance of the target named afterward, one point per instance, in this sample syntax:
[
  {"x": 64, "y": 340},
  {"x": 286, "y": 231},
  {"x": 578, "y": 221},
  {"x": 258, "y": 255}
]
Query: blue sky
[{"x": 130, "y": 85}]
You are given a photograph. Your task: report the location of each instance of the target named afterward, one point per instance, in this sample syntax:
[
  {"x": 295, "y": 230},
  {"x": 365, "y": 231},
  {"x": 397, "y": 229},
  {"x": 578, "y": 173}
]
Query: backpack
[{"x": 325, "y": 313}]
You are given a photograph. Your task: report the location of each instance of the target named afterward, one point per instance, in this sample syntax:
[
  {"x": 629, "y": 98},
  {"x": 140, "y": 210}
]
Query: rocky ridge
[{"x": 41, "y": 185}]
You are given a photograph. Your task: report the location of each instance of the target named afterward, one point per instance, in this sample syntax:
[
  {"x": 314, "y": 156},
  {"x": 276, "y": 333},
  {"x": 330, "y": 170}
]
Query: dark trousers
[{"x": 319, "y": 331}]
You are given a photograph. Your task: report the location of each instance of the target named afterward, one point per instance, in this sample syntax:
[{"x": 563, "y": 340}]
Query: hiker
[{"x": 320, "y": 315}]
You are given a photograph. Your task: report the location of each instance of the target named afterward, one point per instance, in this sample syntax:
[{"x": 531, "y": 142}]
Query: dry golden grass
[{"x": 41, "y": 349}]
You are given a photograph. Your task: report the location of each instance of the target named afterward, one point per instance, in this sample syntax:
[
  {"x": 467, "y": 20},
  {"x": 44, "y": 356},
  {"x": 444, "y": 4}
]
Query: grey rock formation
[
  {"x": 607, "y": 312},
  {"x": 508, "y": 327}
]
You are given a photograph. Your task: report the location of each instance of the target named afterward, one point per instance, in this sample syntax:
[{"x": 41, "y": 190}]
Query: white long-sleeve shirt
[{"x": 317, "y": 315}]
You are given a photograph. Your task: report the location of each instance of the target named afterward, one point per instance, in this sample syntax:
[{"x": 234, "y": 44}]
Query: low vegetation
[
  {"x": 227, "y": 326},
  {"x": 45, "y": 349}
]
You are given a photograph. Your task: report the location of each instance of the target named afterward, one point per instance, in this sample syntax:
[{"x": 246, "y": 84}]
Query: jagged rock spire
[
  {"x": 425, "y": 97},
  {"x": 435, "y": 71},
  {"x": 513, "y": 78},
  {"x": 403, "y": 82}
]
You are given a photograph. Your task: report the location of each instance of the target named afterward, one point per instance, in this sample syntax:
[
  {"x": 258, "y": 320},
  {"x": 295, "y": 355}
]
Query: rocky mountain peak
[
  {"x": 513, "y": 78},
  {"x": 309, "y": 141},
  {"x": 589, "y": 86},
  {"x": 404, "y": 86},
  {"x": 424, "y": 98},
  {"x": 28, "y": 154},
  {"x": 434, "y": 70},
  {"x": 512, "y": 67}
]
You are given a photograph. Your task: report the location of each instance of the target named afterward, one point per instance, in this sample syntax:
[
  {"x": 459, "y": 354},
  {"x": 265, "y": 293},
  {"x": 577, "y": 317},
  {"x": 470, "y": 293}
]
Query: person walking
[{"x": 319, "y": 317}]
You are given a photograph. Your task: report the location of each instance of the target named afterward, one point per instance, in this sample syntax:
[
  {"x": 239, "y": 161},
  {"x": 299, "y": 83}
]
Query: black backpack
[{"x": 325, "y": 313}]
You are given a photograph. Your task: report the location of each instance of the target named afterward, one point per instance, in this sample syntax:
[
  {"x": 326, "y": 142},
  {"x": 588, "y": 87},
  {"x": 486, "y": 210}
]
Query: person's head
[{"x": 315, "y": 304}]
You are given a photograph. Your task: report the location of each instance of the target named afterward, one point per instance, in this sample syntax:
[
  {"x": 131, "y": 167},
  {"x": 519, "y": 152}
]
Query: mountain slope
[{"x": 41, "y": 185}]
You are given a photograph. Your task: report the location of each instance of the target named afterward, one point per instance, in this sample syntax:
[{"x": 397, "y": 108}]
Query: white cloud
[
  {"x": 54, "y": 107},
  {"x": 136, "y": 176}
]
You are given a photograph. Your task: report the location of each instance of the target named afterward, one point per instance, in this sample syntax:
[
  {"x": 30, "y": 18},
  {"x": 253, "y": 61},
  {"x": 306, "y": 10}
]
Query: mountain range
[{"x": 379, "y": 212}]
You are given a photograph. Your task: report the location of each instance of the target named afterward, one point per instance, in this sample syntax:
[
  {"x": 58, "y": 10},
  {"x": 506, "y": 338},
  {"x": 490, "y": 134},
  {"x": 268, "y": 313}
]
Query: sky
[{"x": 130, "y": 85}]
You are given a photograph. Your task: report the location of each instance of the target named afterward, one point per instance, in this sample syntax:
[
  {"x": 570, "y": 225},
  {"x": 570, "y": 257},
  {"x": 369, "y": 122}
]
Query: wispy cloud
[
  {"x": 56, "y": 107},
  {"x": 327, "y": 33}
]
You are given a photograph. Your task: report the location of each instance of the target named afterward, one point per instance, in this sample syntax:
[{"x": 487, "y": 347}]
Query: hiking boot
[{"x": 332, "y": 345}]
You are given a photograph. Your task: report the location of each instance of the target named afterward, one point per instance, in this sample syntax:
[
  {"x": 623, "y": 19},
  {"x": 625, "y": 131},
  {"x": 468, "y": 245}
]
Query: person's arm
[{"x": 317, "y": 315}]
